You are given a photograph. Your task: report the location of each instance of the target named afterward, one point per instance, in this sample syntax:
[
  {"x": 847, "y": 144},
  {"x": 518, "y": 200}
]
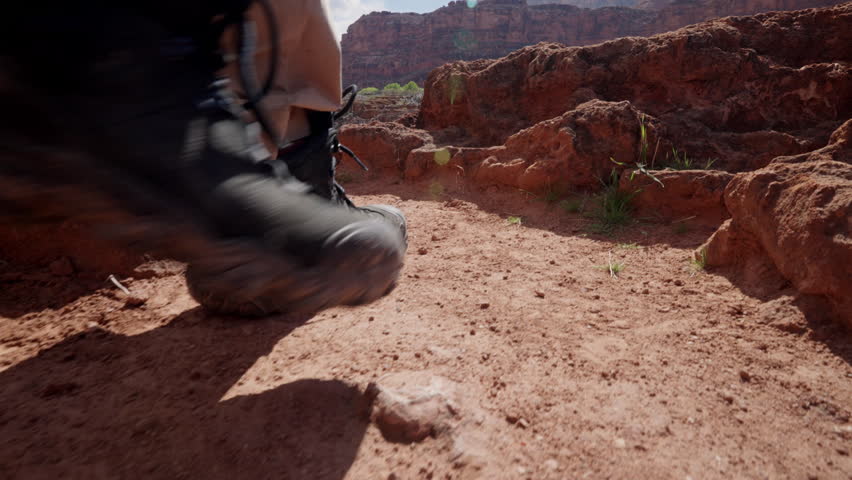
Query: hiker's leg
[
  {"x": 142, "y": 129},
  {"x": 308, "y": 70}
]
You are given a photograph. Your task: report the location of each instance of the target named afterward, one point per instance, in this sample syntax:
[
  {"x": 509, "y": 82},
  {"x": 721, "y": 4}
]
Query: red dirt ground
[{"x": 662, "y": 372}]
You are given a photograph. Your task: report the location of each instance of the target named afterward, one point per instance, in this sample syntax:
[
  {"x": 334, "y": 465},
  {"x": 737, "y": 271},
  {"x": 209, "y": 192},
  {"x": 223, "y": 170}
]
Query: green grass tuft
[
  {"x": 680, "y": 161},
  {"x": 614, "y": 209},
  {"x": 612, "y": 267},
  {"x": 699, "y": 260}
]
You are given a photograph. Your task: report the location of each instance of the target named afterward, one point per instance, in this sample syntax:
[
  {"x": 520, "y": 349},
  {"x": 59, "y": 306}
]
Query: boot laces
[
  {"x": 334, "y": 142},
  {"x": 336, "y": 147}
]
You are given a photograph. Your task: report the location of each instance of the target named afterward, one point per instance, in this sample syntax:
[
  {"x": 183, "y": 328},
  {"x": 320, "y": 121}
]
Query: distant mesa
[{"x": 385, "y": 47}]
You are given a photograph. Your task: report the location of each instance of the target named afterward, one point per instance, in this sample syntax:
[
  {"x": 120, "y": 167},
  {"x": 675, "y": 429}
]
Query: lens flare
[
  {"x": 455, "y": 88},
  {"x": 436, "y": 189},
  {"x": 442, "y": 157}
]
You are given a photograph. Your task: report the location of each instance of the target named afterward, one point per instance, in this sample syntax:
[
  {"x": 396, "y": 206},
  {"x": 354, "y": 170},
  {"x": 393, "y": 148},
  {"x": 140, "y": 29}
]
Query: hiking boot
[
  {"x": 139, "y": 138},
  {"x": 313, "y": 160}
]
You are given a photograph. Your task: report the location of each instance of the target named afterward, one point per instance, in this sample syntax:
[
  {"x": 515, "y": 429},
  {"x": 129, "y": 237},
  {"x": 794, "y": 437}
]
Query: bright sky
[{"x": 344, "y": 12}]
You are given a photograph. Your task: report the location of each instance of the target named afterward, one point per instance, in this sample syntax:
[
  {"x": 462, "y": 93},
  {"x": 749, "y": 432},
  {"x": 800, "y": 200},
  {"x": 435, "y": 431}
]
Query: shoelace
[{"x": 334, "y": 143}]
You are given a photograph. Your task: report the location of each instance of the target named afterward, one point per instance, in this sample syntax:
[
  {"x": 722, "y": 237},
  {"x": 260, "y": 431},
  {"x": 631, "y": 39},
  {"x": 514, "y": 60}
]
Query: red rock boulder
[
  {"x": 696, "y": 196},
  {"x": 795, "y": 219},
  {"x": 742, "y": 90},
  {"x": 574, "y": 149},
  {"x": 382, "y": 146}
]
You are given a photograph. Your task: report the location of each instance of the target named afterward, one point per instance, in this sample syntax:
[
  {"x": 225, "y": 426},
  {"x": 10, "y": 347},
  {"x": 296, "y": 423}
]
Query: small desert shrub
[
  {"x": 411, "y": 87},
  {"x": 614, "y": 209},
  {"x": 640, "y": 165}
]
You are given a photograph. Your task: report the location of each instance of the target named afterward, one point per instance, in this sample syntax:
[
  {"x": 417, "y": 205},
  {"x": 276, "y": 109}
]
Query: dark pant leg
[{"x": 164, "y": 171}]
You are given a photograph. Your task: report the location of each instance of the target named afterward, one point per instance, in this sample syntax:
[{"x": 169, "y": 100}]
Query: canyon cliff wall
[{"x": 385, "y": 47}]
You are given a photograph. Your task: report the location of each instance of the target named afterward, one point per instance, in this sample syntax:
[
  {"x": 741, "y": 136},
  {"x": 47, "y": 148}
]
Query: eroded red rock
[
  {"x": 385, "y": 47},
  {"x": 385, "y": 108},
  {"x": 839, "y": 148},
  {"x": 573, "y": 149},
  {"x": 384, "y": 146},
  {"x": 689, "y": 195},
  {"x": 742, "y": 90},
  {"x": 797, "y": 218}
]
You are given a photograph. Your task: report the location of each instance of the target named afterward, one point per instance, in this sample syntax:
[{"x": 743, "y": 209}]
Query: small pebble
[{"x": 133, "y": 301}]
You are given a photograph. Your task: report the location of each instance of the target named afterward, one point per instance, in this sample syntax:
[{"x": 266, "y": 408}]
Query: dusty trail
[{"x": 566, "y": 372}]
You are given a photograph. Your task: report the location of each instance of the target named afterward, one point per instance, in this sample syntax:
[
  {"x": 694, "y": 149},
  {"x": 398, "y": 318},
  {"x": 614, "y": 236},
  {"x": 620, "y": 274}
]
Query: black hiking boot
[
  {"x": 362, "y": 241},
  {"x": 312, "y": 160},
  {"x": 130, "y": 130}
]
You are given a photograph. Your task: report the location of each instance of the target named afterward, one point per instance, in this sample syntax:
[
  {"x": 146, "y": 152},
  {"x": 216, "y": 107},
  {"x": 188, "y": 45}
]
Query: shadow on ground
[
  {"x": 784, "y": 308},
  {"x": 49, "y": 265},
  {"x": 102, "y": 405}
]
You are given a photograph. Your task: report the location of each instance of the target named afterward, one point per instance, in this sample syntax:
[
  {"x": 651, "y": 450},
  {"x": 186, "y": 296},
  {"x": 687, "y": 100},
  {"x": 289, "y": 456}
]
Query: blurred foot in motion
[{"x": 202, "y": 130}]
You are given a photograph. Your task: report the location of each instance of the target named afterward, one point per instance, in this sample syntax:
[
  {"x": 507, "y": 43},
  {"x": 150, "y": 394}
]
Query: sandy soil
[{"x": 567, "y": 372}]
